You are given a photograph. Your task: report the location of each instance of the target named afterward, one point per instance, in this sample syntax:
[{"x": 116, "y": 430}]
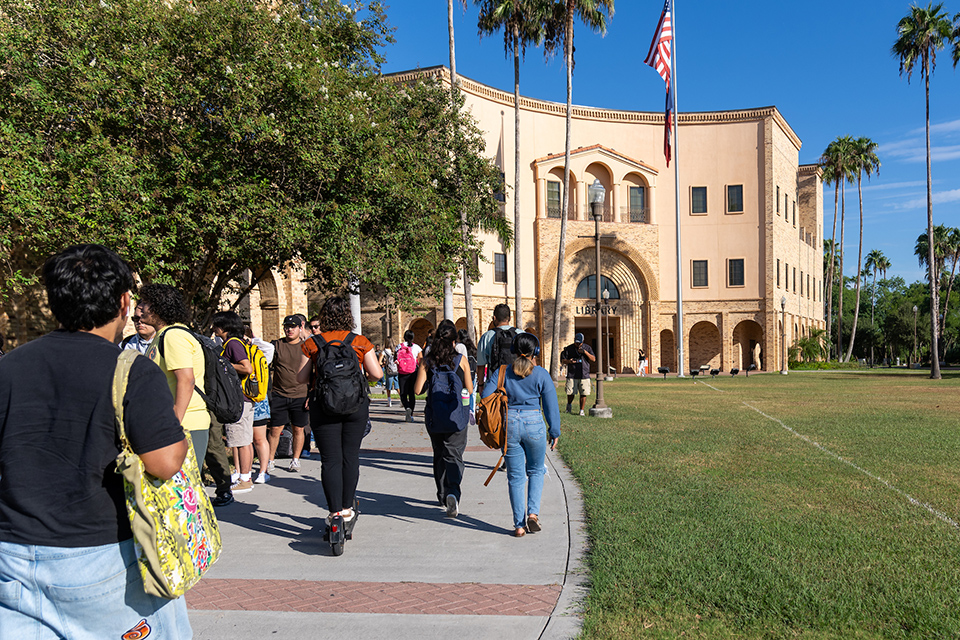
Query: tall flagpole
[{"x": 676, "y": 173}]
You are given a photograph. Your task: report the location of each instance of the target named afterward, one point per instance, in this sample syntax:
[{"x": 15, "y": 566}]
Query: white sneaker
[
  {"x": 453, "y": 509},
  {"x": 262, "y": 478},
  {"x": 271, "y": 467},
  {"x": 581, "y": 412},
  {"x": 389, "y": 402},
  {"x": 294, "y": 465},
  {"x": 235, "y": 477}
]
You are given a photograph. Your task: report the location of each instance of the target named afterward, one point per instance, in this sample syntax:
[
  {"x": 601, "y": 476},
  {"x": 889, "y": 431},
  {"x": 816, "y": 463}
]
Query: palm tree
[
  {"x": 594, "y": 14},
  {"x": 875, "y": 262},
  {"x": 865, "y": 161},
  {"x": 952, "y": 250},
  {"x": 522, "y": 22},
  {"x": 836, "y": 169},
  {"x": 919, "y": 36}
]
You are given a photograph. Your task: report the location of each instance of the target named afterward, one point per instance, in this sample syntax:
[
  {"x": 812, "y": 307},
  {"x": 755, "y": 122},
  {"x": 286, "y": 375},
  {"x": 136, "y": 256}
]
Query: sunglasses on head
[{"x": 315, "y": 326}]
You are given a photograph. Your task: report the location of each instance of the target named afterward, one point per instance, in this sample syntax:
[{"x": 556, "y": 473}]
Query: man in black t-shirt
[
  {"x": 64, "y": 527},
  {"x": 577, "y": 357}
]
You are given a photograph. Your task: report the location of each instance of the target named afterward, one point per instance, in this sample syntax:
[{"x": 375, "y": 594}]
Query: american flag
[{"x": 659, "y": 58}]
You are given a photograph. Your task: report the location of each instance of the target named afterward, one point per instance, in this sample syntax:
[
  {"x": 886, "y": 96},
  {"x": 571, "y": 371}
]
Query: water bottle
[{"x": 465, "y": 397}]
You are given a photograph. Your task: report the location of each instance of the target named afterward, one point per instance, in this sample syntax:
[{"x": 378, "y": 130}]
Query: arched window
[{"x": 588, "y": 288}]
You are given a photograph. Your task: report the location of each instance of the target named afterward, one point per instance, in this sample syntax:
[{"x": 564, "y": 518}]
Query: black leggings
[
  {"x": 338, "y": 439},
  {"x": 407, "y": 397}
]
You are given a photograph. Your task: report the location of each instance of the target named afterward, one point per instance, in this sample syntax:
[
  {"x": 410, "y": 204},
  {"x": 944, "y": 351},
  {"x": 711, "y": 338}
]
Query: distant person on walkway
[
  {"x": 470, "y": 351},
  {"x": 288, "y": 400},
  {"x": 408, "y": 355},
  {"x": 228, "y": 326},
  {"x": 446, "y": 425},
  {"x": 577, "y": 357},
  {"x": 388, "y": 362},
  {"x": 68, "y": 564},
  {"x": 641, "y": 363},
  {"x": 531, "y": 396},
  {"x": 141, "y": 338},
  {"x": 338, "y": 436},
  {"x": 493, "y": 349},
  {"x": 261, "y": 411}
]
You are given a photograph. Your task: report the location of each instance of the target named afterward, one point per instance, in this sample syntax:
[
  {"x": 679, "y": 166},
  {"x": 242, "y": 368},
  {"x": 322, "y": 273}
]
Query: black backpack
[
  {"x": 444, "y": 411},
  {"x": 341, "y": 388},
  {"x": 500, "y": 348},
  {"x": 221, "y": 391}
]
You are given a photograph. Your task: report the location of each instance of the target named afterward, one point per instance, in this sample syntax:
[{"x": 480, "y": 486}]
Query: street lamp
[
  {"x": 596, "y": 194},
  {"x": 784, "y": 368},
  {"x": 606, "y": 308},
  {"x": 914, "y": 334}
]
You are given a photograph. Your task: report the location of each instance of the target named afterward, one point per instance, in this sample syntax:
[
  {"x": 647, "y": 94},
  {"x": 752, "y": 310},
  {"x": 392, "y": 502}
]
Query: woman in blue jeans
[{"x": 531, "y": 397}]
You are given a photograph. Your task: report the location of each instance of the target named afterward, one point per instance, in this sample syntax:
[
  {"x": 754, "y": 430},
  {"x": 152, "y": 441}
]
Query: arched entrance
[
  {"x": 269, "y": 307},
  {"x": 421, "y": 327},
  {"x": 668, "y": 350},
  {"x": 705, "y": 346},
  {"x": 748, "y": 345}
]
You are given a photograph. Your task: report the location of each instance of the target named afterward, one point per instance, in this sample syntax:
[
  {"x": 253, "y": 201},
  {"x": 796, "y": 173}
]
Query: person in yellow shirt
[{"x": 179, "y": 356}]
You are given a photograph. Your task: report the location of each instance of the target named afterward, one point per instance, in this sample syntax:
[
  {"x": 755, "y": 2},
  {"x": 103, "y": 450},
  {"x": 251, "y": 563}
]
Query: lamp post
[
  {"x": 914, "y": 334},
  {"x": 784, "y": 367},
  {"x": 596, "y": 194},
  {"x": 606, "y": 344}
]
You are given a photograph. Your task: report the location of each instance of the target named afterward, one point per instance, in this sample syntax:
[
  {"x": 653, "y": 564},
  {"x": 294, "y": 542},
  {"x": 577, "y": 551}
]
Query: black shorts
[{"x": 292, "y": 411}]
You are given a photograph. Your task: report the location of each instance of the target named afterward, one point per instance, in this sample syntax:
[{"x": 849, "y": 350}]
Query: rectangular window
[
  {"x": 801, "y": 282},
  {"x": 794, "y": 280},
  {"x": 794, "y": 213},
  {"x": 698, "y": 199},
  {"x": 808, "y": 285},
  {"x": 735, "y": 272},
  {"x": 786, "y": 204},
  {"x": 638, "y": 204},
  {"x": 499, "y": 267},
  {"x": 554, "y": 209},
  {"x": 778, "y": 199},
  {"x": 735, "y": 198},
  {"x": 501, "y": 195},
  {"x": 700, "y": 278},
  {"x": 778, "y": 272}
]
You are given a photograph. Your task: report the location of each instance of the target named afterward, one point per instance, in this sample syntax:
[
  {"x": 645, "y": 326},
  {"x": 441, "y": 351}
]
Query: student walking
[
  {"x": 338, "y": 435},
  {"x": 408, "y": 355},
  {"x": 531, "y": 396},
  {"x": 228, "y": 326},
  {"x": 445, "y": 375},
  {"x": 388, "y": 362}
]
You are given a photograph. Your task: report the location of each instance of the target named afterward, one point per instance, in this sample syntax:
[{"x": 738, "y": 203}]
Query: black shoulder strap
[
  {"x": 318, "y": 340},
  {"x": 349, "y": 339}
]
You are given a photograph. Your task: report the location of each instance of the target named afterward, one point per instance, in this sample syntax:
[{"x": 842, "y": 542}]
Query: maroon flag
[{"x": 659, "y": 58}]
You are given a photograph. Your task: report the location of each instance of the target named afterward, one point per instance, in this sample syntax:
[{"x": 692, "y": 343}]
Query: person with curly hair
[{"x": 338, "y": 437}]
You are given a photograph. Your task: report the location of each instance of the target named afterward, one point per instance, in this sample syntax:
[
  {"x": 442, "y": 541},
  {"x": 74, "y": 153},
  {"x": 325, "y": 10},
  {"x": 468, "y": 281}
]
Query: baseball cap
[
  {"x": 578, "y": 337},
  {"x": 292, "y": 321}
]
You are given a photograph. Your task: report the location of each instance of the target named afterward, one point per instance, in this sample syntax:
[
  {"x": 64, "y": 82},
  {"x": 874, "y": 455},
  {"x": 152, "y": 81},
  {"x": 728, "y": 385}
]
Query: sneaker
[
  {"x": 569, "y": 408},
  {"x": 243, "y": 486},
  {"x": 262, "y": 478},
  {"x": 453, "y": 509},
  {"x": 271, "y": 467},
  {"x": 294, "y": 465},
  {"x": 222, "y": 499},
  {"x": 305, "y": 453},
  {"x": 409, "y": 415},
  {"x": 235, "y": 477},
  {"x": 581, "y": 412}
]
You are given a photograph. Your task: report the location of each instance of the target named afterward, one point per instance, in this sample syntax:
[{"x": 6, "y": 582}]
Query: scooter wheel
[{"x": 337, "y": 549}]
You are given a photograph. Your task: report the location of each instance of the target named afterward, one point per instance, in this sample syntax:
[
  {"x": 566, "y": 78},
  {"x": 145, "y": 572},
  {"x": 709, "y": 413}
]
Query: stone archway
[
  {"x": 705, "y": 346},
  {"x": 269, "y": 307},
  {"x": 421, "y": 327},
  {"x": 668, "y": 350},
  {"x": 748, "y": 345}
]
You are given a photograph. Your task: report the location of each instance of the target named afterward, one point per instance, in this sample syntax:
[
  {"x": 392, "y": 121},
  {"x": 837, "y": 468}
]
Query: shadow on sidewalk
[{"x": 405, "y": 508}]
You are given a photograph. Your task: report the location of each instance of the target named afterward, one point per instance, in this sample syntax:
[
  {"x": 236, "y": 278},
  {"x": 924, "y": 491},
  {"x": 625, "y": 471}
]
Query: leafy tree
[
  {"x": 836, "y": 165},
  {"x": 865, "y": 161},
  {"x": 204, "y": 139},
  {"x": 522, "y": 22},
  {"x": 810, "y": 347},
  {"x": 919, "y": 36},
  {"x": 594, "y": 14}
]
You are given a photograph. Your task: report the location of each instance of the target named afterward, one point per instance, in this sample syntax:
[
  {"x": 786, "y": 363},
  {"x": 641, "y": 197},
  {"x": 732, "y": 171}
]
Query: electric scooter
[{"x": 340, "y": 530}]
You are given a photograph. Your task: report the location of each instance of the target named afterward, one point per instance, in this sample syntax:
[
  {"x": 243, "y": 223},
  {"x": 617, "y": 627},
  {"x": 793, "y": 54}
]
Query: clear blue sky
[{"x": 826, "y": 66}]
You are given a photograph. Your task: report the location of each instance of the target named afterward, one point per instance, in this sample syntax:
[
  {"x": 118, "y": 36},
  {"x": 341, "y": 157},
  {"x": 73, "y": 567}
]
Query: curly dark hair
[
  {"x": 335, "y": 315},
  {"x": 84, "y": 285},
  {"x": 165, "y": 302},
  {"x": 443, "y": 348}
]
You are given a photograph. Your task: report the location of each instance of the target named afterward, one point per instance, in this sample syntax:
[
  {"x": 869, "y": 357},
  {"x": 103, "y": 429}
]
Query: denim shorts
[{"x": 83, "y": 593}]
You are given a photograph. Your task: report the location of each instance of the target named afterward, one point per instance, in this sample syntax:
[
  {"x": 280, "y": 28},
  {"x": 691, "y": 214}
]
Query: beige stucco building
[{"x": 751, "y": 221}]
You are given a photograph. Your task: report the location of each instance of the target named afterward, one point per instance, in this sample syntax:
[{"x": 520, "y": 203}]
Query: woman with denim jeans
[{"x": 531, "y": 398}]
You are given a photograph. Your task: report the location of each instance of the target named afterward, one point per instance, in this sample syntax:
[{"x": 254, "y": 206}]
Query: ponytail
[{"x": 522, "y": 366}]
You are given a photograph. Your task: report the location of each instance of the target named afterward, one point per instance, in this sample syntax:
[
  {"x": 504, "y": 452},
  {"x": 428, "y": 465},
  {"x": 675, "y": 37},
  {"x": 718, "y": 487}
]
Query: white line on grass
[{"x": 900, "y": 492}]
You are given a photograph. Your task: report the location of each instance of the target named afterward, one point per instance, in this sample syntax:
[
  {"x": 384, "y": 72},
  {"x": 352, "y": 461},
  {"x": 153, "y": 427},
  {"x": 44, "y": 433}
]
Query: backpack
[
  {"x": 221, "y": 384},
  {"x": 500, "y": 353},
  {"x": 254, "y": 385},
  {"x": 445, "y": 411},
  {"x": 406, "y": 362},
  {"x": 340, "y": 386},
  {"x": 389, "y": 363},
  {"x": 491, "y": 418}
]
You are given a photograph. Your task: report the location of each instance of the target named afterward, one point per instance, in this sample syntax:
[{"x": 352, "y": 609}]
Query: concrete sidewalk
[{"x": 410, "y": 572}]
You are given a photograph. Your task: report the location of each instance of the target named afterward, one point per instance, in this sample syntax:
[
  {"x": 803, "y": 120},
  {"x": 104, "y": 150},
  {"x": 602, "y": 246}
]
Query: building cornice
[{"x": 505, "y": 98}]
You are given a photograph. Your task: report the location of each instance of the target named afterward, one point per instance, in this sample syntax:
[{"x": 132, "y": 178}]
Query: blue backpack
[{"x": 445, "y": 412}]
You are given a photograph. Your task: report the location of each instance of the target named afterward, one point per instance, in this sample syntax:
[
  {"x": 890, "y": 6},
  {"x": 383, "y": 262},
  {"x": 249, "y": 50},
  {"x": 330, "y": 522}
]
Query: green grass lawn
[{"x": 708, "y": 519}]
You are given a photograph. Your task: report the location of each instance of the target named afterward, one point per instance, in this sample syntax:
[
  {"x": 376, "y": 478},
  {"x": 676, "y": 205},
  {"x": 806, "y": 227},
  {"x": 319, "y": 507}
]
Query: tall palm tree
[
  {"x": 836, "y": 169},
  {"x": 865, "y": 161},
  {"x": 952, "y": 250},
  {"x": 876, "y": 262},
  {"x": 919, "y": 36},
  {"x": 522, "y": 22},
  {"x": 594, "y": 14}
]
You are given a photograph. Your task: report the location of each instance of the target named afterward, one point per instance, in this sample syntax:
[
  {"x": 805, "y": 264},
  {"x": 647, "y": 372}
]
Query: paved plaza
[{"x": 409, "y": 572}]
